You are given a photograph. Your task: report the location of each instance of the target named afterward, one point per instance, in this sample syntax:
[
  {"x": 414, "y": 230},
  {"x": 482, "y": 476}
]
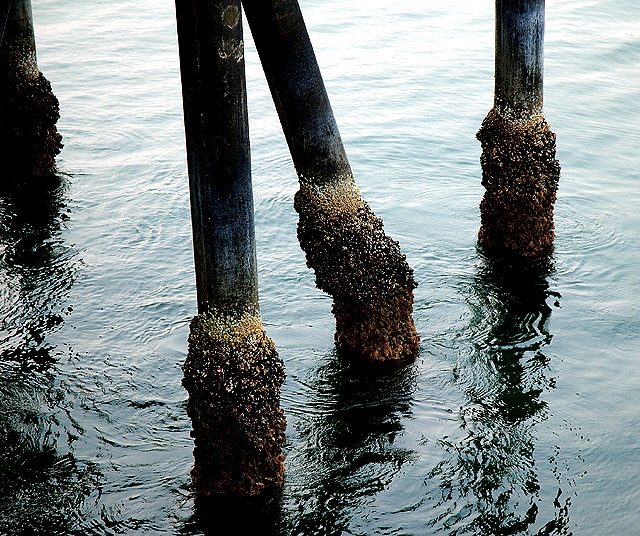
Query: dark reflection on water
[
  {"x": 345, "y": 454},
  {"x": 489, "y": 481},
  {"x": 37, "y": 269},
  {"x": 44, "y": 489},
  {"x": 43, "y": 486},
  {"x": 350, "y": 449},
  {"x": 213, "y": 516}
]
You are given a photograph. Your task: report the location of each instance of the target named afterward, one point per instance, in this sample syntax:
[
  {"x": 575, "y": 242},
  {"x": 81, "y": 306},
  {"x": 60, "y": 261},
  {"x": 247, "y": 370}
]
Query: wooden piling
[
  {"x": 354, "y": 260},
  {"x": 520, "y": 172},
  {"x": 232, "y": 372},
  {"x": 519, "y": 58},
  {"x": 29, "y": 139},
  {"x": 4, "y": 15},
  {"x": 218, "y": 154}
]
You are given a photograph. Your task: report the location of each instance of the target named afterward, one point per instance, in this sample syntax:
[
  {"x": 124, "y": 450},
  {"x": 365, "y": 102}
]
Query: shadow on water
[
  {"x": 489, "y": 482},
  {"x": 214, "y": 516},
  {"x": 42, "y": 485}
]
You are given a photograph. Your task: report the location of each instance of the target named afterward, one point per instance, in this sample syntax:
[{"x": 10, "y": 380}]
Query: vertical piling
[
  {"x": 520, "y": 172},
  {"x": 354, "y": 260},
  {"x": 29, "y": 139},
  {"x": 232, "y": 372}
]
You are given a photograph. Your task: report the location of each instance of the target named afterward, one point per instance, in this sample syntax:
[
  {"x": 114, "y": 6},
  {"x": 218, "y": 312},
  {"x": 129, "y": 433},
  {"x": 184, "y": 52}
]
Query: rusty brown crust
[
  {"x": 520, "y": 174},
  {"x": 361, "y": 268},
  {"x": 233, "y": 375}
]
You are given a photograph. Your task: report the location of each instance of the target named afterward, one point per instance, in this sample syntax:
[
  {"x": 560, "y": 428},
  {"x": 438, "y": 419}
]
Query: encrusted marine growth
[
  {"x": 361, "y": 268},
  {"x": 233, "y": 375},
  {"x": 29, "y": 139},
  {"x": 520, "y": 174}
]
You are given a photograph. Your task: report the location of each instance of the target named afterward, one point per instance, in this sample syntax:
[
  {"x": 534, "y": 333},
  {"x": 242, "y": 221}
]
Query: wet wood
[
  {"x": 298, "y": 90},
  {"x": 354, "y": 260},
  {"x": 519, "y": 57},
  {"x": 29, "y": 111},
  {"x": 217, "y": 135}
]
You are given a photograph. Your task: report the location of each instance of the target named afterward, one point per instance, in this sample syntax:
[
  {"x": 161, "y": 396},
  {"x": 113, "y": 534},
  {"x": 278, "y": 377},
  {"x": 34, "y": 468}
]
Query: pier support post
[
  {"x": 232, "y": 372},
  {"x": 354, "y": 260},
  {"x": 29, "y": 139},
  {"x": 520, "y": 172}
]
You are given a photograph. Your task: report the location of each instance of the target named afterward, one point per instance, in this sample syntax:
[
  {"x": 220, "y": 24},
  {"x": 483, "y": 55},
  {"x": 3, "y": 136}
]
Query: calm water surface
[{"x": 521, "y": 414}]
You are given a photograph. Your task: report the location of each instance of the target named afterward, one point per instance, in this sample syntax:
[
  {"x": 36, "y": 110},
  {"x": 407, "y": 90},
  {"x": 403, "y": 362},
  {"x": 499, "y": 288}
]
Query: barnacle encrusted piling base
[
  {"x": 520, "y": 174},
  {"x": 233, "y": 375},
  {"x": 361, "y": 268},
  {"x": 29, "y": 138}
]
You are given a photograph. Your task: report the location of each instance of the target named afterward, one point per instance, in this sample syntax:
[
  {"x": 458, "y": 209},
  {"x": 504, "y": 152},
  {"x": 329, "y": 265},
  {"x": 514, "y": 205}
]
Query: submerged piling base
[
  {"x": 520, "y": 174},
  {"x": 361, "y": 268},
  {"x": 29, "y": 139},
  {"x": 233, "y": 375}
]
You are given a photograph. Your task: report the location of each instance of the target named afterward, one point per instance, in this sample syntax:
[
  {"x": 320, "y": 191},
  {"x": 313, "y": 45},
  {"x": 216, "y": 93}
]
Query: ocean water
[{"x": 520, "y": 415}]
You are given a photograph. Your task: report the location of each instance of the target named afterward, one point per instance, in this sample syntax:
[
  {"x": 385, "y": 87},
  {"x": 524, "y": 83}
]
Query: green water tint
[
  {"x": 487, "y": 481},
  {"x": 499, "y": 371}
]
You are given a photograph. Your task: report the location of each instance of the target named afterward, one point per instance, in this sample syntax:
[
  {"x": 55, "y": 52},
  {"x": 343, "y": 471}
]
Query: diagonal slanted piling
[
  {"x": 354, "y": 260},
  {"x": 29, "y": 111},
  {"x": 232, "y": 372},
  {"x": 520, "y": 171}
]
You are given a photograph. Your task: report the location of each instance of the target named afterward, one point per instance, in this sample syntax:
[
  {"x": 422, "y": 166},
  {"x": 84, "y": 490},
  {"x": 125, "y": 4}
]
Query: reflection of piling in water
[
  {"x": 352, "y": 428},
  {"x": 42, "y": 483},
  {"x": 492, "y": 483},
  {"x": 37, "y": 269},
  {"x": 232, "y": 372},
  {"x": 354, "y": 260},
  {"x": 246, "y": 516},
  {"x": 29, "y": 139},
  {"x": 519, "y": 168}
]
